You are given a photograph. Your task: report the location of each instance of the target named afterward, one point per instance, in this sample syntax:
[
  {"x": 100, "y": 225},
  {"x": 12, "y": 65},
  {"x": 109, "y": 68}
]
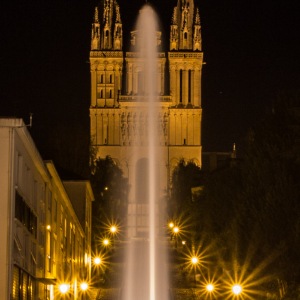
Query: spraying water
[{"x": 146, "y": 260}]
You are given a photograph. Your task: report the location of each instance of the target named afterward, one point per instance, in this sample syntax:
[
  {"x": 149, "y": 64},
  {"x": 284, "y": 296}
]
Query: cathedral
[{"x": 118, "y": 87}]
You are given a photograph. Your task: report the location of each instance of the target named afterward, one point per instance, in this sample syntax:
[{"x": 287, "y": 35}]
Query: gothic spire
[
  {"x": 95, "y": 42},
  {"x": 107, "y": 32},
  {"x": 197, "y": 38},
  {"x": 174, "y": 17},
  {"x": 118, "y": 15},
  {"x": 197, "y": 17},
  {"x": 96, "y": 15},
  {"x": 183, "y": 17}
]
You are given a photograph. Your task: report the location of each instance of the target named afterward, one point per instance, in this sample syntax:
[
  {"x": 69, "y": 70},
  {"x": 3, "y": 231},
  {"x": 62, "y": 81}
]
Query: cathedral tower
[
  {"x": 115, "y": 126},
  {"x": 185, "y": 67}
]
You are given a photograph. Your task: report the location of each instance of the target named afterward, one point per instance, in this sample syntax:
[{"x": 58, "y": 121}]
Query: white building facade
[{"x": 43, "y": 242}]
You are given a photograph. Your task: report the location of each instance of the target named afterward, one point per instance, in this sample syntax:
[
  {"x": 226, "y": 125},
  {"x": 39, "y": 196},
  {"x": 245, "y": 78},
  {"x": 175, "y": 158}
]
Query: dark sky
[{"x": 251, "y": 49}]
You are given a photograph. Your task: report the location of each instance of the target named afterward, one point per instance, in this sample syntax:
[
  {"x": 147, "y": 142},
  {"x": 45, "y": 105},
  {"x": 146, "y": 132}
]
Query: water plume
[{"x": 145, "y": 276}]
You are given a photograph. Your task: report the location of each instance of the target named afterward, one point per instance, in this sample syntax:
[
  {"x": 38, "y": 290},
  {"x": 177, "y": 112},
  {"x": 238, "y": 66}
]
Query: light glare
[
  {"x": 236, "y": 289},
  {"x": 97, "y": 261},
  {"x": 64, "y": 288},
  {"x": 113, "y": 229},
  {"x": 195, "y": 260},
  {"x": 106, "y": 242},
  {"x": 210, "y": 287},
  {"x": 176, "y": 229},
  {"x": 171, "y": 225},
  {"x": 84, "y": 286}
]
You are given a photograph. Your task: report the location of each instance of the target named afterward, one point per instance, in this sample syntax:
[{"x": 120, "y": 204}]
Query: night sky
[{"x": 251, "y": 49}]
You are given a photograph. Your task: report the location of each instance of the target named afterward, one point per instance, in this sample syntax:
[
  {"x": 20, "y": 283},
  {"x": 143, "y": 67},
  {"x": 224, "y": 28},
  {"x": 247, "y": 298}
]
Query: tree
[
  {"x": 254, "y": 207},
  {"x": 183, "y": 204},
  {"x": 110, "y": 190},
  {"x": 271, "y": 186}
]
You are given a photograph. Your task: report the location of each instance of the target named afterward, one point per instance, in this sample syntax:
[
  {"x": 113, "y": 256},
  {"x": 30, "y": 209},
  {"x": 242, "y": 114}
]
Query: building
[
  {"x": 118, "y": 88},
  {"x": 43, "y": 241}
]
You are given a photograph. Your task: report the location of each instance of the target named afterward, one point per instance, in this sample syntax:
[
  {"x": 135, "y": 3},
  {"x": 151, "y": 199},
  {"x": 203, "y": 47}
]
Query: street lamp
[
  {"x": 176, "y": 231},
  {"x": 210, "y": 287},
  {"x": 113, "y": 229},
  {"x": 195, "y": 262},
  {"x": 171, "y": 225},
  {"x": 106, "y": 242},
  {"x": 83, "y": 288},
  {"x": 97, "y": 260},
  {"x": 237, "y": 289},
  {"x": 99, "y": 266},
  {"x": 64, "y": 288}
]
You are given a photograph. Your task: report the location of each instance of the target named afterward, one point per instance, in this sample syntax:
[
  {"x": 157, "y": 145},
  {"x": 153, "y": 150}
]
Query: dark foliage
[{"x": 110, "y": 190}]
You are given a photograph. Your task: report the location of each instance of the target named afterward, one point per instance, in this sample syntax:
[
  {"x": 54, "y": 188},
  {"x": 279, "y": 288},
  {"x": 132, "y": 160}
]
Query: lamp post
[
  {"x": 83, "y": 288},
  {"x": 98, "y": 264},
  {"x": 195, "y": 262},
  {"x": 176, "y": 231},
  {"x": 64, "y": 289},
  {"x": 113, "y": 231}
]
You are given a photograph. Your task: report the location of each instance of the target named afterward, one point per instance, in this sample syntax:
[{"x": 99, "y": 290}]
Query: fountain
[{"x": 146, "y": 272}]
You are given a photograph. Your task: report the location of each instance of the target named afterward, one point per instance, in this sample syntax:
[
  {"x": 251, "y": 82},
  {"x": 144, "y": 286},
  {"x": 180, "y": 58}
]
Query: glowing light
[
  {"x": 106, "y": 188},
  {"x": 176, "y": 229},
  {"x": 236, "y": 289},
  {"x": 97, "y": 260},
  {"x": 106, "y": 242},
  {"x": 113, "y": 229},
  {"x": 195, "y": 260},
  {"x": 171, "y": 225},
  {"x": 48, "y": 227},
  {"x": 210, "y": 287},
  {"x": 64, "y": 288},
  {"x": 84, "y": 286},
  {"x": 183, "y": 242}
]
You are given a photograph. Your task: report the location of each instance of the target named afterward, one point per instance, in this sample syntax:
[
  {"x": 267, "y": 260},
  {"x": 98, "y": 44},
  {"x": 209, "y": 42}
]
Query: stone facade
[{"x": 118, "y": 89}]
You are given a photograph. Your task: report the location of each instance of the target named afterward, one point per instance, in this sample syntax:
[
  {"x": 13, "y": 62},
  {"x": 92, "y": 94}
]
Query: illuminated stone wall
[{"x": 117, "y": 89}]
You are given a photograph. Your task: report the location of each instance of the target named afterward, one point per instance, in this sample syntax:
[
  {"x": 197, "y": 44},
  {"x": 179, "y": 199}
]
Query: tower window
[
  {"x": 190, "y": 87},
  {"x": 180, "y": 85}
]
